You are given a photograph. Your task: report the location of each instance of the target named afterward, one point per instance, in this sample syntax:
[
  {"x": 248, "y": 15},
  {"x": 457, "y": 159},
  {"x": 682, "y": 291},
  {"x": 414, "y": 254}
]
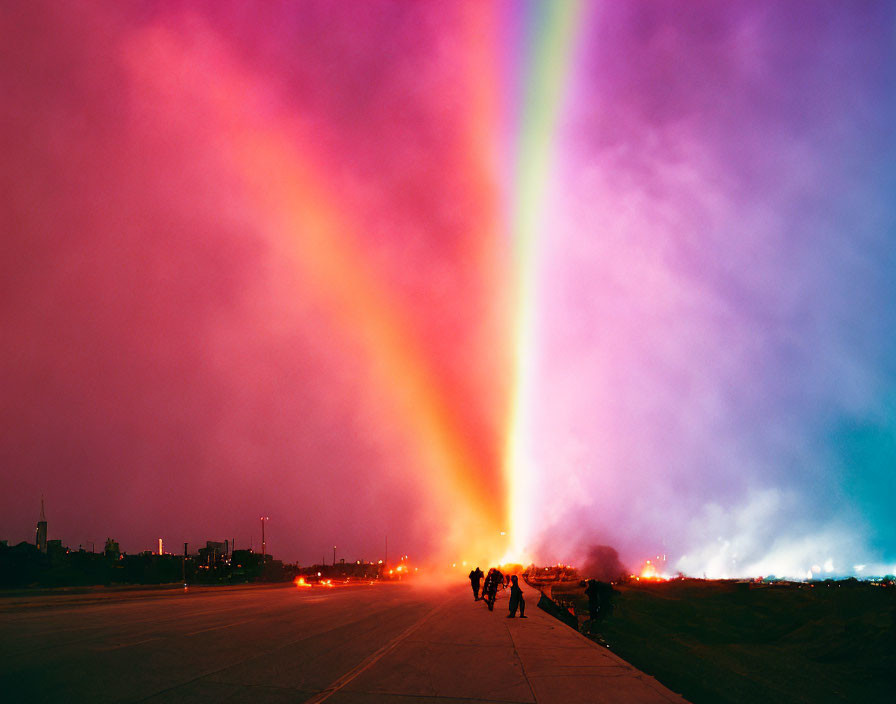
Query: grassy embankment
[{"x": 724, "y": 642}]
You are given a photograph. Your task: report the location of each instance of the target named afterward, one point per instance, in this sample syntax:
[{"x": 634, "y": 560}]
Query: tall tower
[{"x": 41, "y": 532}]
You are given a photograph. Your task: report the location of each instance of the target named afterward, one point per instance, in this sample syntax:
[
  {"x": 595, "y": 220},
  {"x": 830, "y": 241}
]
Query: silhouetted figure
[
  {"x": 516, "y": 599},
  {"x": 600, "y": 595},
  {"x": 493, "y": 580},
  {"x": 593, "y": 595},
  {"x": 475, "y": 579},
  {"x": 486, "y": 584}
]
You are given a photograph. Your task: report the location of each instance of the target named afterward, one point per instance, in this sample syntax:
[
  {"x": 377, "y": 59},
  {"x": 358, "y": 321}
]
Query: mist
[
  {"x": 243, "y": 276},
  {"x": 256, "y": 263},
  {"x": 716, "y": 372}
]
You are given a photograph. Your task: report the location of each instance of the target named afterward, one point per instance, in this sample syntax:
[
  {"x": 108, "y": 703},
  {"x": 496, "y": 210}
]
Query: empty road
[{"x": 380, "y": 643}]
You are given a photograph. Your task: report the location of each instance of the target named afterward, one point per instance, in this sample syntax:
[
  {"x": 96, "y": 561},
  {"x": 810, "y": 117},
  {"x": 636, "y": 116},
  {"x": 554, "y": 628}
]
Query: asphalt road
[
  {"x": 285, "y": 644},
  {"x": 379, "y": 643}
]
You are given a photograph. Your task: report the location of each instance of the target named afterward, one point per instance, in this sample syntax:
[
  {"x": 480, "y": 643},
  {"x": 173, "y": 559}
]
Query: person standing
[
  {"x": 600, "y": 599},
  {"x": 485, "y": 585},
  {"x": 516, "y": 598},
  {"x": 475, "y": 579},
  {"x": 592, "y": 591},
  {"x": 493, "y": 580}
]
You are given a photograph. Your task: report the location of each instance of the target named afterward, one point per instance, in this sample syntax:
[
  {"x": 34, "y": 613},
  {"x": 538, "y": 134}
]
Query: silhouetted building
[
  {"x": 214, "y": 552},
  {"x": 222, "y": 549},
  {"x": 112, "y": 550},
  {"x": 40, "y": 538}
]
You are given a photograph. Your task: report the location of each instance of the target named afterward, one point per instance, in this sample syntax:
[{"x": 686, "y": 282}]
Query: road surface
[{"x": 380, "y": 643}]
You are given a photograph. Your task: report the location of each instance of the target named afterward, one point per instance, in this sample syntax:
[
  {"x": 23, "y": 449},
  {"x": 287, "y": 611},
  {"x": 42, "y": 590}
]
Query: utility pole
[{"x": 263, "y": 546}]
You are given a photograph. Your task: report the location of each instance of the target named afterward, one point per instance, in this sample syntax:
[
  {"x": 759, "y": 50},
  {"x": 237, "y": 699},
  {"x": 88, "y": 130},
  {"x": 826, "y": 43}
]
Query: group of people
[
  {"x": 600, "y": 594},
  {"x": 494, "y": 580}
]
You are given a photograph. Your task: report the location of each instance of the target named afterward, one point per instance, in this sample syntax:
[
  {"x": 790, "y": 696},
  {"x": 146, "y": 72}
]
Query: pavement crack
[
  {"x": 430, "y": 697},
  {"x": 215, "y": 671},
  {"x": 372, "y": 659},
  {"x": 218, "y": 628},
  {"x": 520, "y": 660}
]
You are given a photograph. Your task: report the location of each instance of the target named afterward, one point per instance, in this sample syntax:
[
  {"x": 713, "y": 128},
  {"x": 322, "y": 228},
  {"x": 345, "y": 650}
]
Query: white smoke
[{"x": 763, "y": 536}]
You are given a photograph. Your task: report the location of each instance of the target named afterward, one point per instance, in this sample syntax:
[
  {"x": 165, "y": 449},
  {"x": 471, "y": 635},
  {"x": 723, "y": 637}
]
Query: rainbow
[
  {"x": 518, "y": 56},
  {"x": 300, "y": 215},
  {"x": 548, "y": 41}
]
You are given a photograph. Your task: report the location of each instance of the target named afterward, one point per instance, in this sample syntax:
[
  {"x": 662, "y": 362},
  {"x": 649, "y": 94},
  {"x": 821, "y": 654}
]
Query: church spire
[{"x": 40, "y": 533}]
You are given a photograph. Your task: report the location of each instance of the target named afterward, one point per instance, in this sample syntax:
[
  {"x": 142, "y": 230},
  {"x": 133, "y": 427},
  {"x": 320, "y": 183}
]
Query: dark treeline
[{"x": 23, "y": 565}]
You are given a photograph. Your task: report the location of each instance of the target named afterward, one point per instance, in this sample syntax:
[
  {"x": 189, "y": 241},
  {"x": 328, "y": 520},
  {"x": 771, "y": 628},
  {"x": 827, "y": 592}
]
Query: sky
[{"x": 577, "y": 273}]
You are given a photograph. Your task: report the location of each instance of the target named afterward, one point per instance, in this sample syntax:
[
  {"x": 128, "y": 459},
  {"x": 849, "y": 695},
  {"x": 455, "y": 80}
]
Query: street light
[{"x": 263, "y": 519}]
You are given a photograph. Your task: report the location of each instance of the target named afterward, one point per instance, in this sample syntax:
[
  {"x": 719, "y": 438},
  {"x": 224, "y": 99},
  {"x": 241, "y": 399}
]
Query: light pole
[
  {"x": 263, "y": 519},
  {"x": 334, "y": 556}
]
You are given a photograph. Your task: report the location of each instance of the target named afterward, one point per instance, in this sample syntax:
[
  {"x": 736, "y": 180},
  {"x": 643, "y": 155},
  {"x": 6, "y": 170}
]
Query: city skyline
[{"x": 42, "y": 535}]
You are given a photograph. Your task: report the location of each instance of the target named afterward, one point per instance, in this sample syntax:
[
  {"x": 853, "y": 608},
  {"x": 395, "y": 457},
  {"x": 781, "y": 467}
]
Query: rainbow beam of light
[
  {"x": 548, "y": 41},
  {"x": 301, "y": 215},
  {"x": 287, "y": 184}
]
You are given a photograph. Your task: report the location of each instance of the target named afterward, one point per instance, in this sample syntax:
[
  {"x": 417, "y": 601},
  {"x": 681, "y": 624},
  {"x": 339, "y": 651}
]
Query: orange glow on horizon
[{"x": 649, "y": 573}]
